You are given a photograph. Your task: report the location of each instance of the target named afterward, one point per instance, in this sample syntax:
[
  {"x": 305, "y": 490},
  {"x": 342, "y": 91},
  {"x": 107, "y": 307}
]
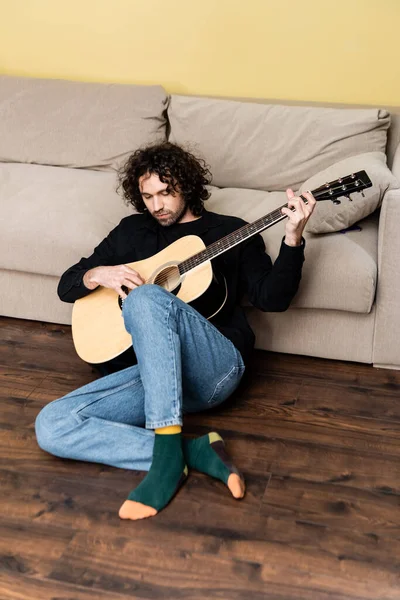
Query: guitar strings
[{"x": 237, "y": 236}]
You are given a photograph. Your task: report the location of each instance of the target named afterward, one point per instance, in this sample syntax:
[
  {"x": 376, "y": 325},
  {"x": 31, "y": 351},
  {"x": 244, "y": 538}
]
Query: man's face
[{"x": 158, "y": 197}]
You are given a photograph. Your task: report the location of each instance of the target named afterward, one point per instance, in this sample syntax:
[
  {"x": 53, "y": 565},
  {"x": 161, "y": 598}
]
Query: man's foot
[
  {"x": 207, "y": 454},
  {"x": 167, "y": 473}
]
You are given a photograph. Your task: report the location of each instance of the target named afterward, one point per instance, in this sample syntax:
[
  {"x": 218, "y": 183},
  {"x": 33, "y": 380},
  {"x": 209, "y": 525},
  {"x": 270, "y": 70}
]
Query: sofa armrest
[
  {"x": 396, "y": 164},
  {"x": 386, "y": 350}
]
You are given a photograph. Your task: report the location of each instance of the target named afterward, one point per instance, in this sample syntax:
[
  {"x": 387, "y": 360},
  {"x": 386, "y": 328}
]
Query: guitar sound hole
[
  {"x": 169, "y": 278},
  {"x": 120, "y": 300}
]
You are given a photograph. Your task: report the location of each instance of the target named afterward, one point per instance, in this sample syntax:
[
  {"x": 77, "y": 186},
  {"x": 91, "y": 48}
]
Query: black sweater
[{"x": 246, "y": 267}]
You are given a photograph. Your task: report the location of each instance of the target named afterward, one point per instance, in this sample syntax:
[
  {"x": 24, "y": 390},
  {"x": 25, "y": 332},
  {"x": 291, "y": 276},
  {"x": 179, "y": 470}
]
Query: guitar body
[{"x": 98, "y": 327}]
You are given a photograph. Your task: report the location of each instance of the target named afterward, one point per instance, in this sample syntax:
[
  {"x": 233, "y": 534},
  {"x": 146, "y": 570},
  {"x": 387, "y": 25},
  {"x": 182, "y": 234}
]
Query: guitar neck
[
  {"x": 233, "y": 239},
  {"x": 344, "y": 186}
]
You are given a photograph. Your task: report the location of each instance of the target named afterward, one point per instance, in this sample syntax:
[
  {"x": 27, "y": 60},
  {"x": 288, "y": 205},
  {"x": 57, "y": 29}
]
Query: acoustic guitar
[{"x": 183, "y": 268}]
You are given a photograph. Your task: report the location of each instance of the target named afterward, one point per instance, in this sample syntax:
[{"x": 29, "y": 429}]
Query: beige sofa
[{"x": 61, "y": 143}]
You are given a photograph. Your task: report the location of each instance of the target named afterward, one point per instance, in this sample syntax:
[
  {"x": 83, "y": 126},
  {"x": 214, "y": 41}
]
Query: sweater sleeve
[
  {"x": 71, "y": 286},
  {"x": 271, "y": 287}
]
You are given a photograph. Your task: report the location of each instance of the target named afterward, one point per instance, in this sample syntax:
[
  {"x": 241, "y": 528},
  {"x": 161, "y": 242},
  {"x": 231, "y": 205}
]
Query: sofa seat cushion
[
  {"x": 52, "y": 216},
  {"x": 340, "y": 270},
  {"x": 77, "y": 124}
]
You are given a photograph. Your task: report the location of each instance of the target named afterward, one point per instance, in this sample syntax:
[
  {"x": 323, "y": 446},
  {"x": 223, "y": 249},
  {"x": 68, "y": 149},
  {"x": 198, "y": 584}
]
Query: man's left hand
[{"x": 298, "y": 217}]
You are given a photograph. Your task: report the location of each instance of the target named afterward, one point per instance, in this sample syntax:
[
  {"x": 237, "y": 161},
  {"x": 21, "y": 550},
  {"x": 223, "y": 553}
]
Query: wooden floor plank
[
  {"x": 332, "y": 505},
  {"x": 18, "y": 382},
  {"x": 314, "y": 395},
  {"x": 167, "y": 572},
  {"x": 19, "y": 586},
  {"x": 326, "y": 371},
  {"x": 308, "y": 429},
  {"x": 370, "y": 403},
  {"x": 29, "y": 549}
]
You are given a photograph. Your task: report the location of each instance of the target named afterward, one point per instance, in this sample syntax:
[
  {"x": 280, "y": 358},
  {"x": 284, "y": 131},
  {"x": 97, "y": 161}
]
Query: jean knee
[
  {"x": 144, "y": 300},
  {"x": 45, "y": 429},
  {"x": 144, "y": 295}
]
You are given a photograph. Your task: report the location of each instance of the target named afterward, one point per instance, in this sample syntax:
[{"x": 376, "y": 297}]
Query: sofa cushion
[
  {"x": 272, "y": 147},
  {"x": 75, "y": 124},
  {"x": 52, "y": 216},
  {"x": 336, "y": 261},
  {"x": 329, "y": 217}
]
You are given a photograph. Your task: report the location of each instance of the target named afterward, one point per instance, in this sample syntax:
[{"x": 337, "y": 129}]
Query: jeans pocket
[{"x": 226, "y": 386}]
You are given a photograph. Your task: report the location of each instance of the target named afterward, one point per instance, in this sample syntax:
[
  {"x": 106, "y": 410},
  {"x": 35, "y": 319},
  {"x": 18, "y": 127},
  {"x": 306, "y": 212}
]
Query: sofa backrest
[
  {"x": 75, "y": 124},
  {"x": 270, "y": 146},
  {"x": 393, "y": 136},
  {"x": 248, "y": 142}
]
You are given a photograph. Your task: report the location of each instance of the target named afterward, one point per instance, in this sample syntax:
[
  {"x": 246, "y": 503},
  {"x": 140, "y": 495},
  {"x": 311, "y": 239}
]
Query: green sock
[
  {"x": 167, "y": 473},
  {"x": 207, "y": 454}
]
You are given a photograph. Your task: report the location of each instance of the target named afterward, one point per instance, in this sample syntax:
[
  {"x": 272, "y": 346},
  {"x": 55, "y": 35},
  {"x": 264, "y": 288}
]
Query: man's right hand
[{"x": 113, "y": 278}]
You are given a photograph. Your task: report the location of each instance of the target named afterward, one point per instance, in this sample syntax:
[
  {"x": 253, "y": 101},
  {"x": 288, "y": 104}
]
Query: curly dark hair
[{"x": 179, "y": 168}]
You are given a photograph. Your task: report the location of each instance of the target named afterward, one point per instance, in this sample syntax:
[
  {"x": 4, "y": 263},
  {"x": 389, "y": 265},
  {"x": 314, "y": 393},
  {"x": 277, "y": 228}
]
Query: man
[{"x": 185, "y": 363}]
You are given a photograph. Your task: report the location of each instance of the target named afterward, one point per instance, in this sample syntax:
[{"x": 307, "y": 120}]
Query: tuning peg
[
  {"x": 362, "y": 194},
  {"x": 349, "y": 198},
  {"x": 336, "y": 201}
]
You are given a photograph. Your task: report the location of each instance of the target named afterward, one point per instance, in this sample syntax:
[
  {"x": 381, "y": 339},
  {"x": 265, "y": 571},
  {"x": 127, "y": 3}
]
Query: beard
[{"x": 171, "y": 217}]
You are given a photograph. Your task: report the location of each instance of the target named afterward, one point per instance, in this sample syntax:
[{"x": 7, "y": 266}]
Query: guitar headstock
[{"x": 344, "y": 186}]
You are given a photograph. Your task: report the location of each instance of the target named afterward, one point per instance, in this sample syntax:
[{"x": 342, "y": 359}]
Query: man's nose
[{"x": 158, "y": 203}]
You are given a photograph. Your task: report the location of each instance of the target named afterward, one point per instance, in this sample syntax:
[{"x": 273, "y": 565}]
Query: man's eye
[{"x": 165, "y": 192}]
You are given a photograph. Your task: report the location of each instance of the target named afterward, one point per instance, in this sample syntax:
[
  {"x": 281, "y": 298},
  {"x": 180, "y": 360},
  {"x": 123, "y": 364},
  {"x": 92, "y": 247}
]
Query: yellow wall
[{"x": 336, "y": 51}]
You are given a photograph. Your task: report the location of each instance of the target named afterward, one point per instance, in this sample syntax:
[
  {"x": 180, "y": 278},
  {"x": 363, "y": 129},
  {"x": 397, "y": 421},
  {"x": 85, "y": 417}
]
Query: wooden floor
[{"x": 318, "y": 442}]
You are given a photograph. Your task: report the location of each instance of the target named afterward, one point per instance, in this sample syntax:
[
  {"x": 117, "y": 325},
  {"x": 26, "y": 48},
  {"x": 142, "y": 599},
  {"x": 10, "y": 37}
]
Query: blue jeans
[{"x": 184, "y": 365}]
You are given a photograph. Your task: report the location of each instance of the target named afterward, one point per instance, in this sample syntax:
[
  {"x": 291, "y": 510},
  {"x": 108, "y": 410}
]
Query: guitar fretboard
[{"x": 232, "y": 239}]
